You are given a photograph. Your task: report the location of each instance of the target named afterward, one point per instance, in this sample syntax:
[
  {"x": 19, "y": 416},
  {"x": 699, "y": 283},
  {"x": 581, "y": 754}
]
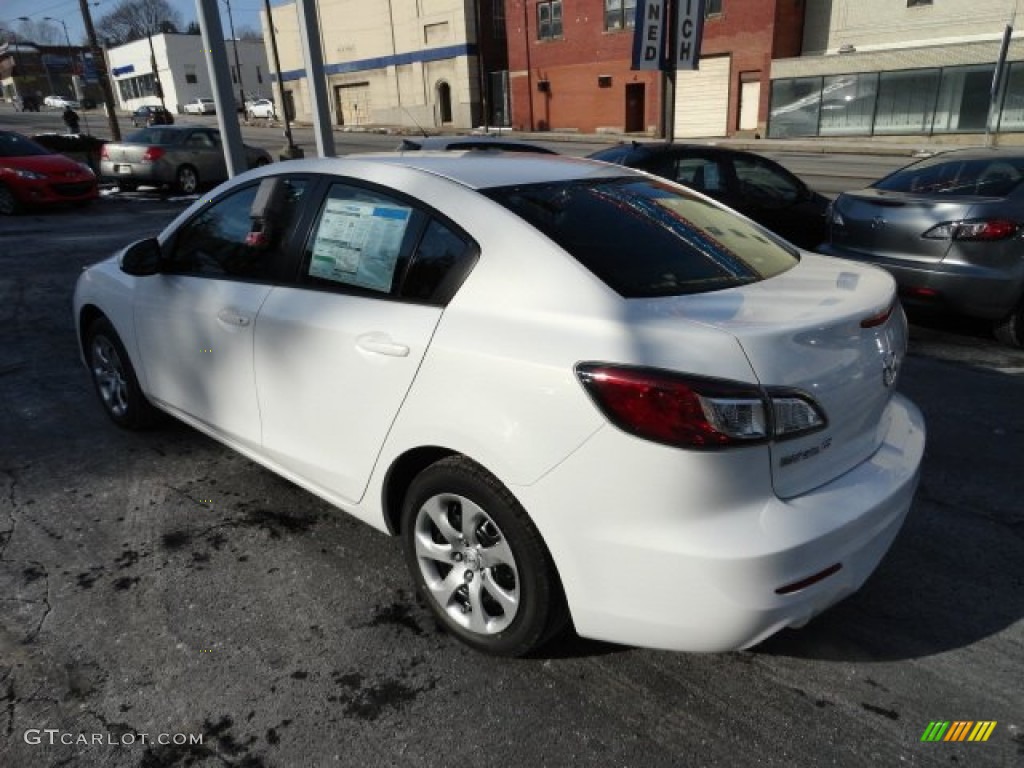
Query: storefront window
[
  {"x": 1012, "y": 117},
  {"x": 906, "y": 101},
  {"x": 794, "y": 107},
  {"x": 963, "y": 99},
  {"x": 848, "y": 104}
]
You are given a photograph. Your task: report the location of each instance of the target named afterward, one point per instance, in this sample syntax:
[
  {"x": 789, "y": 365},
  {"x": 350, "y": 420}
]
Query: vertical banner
[
  {"x": 649, "y": 34},
  {"x": 689, "y": 31}
]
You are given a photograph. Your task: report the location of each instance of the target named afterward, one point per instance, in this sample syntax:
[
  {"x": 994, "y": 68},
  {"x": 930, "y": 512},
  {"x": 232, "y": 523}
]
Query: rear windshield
[
  {"x": 154, "y": 136},
  {"x": 645, "y": 239},
  {"x": 987, "y": 176}
]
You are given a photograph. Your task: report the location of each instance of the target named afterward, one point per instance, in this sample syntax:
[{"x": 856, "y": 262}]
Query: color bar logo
[{"x": 958, "y": 730}]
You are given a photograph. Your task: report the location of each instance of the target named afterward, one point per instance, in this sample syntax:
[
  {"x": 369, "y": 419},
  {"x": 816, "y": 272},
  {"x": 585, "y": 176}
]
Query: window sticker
[{"x": 359, "y": 243}]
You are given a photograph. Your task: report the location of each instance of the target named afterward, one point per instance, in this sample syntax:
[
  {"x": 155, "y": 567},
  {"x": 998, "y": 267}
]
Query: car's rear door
[{"x": 336, "y": 354}]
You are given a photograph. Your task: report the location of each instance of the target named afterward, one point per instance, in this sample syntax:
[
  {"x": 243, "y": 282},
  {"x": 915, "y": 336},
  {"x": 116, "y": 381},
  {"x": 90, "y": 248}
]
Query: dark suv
[{"x": 151, "y": 115}]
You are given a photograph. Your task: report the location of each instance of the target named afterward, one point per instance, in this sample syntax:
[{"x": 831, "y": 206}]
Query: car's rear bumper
[
  {"x": 972, "y": 289},
  {"x": 689, "y": 554},
  {"x": 137, "y": 173}
]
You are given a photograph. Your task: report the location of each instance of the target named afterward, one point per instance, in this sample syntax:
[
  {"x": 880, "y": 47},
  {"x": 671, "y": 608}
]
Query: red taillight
[
  {"x": 880, "y": 319},
  {"x": 686, "y": 411},
  {"x": 103, "y": 152},
  {"x": 152, "y": 154},
  {"x": 974, "y": 230}
]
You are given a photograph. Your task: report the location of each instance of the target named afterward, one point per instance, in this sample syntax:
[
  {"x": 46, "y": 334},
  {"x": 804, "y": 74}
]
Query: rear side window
[
  {"x": 646, "y": 239},
  {"x": 991, "y": 177}
]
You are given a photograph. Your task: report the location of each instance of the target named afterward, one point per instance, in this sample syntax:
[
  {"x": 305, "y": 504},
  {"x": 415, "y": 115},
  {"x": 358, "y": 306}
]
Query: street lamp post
[
  {"x": 75, "y": 87},
  {"x": 238, "y": 67}
]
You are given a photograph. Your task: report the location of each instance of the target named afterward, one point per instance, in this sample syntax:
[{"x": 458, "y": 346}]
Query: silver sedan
[
  {"x": 949, "y": 229},
  {"x": 182, "y": 156}
]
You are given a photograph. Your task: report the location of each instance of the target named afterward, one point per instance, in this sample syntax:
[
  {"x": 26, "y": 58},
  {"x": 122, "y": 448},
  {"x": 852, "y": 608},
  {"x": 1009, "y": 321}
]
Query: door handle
[
  {"x": 381, "y": 344},
  {"x": 232, "y": 318}
]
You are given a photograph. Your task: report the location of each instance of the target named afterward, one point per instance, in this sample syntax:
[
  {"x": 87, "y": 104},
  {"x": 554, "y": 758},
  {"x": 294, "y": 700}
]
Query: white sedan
[
  {"x": 60, "y": 102},
  {"x": 573, "y": 390},
  {"x": 260, "y": 108},
  {"x": 200, "y": 106}
]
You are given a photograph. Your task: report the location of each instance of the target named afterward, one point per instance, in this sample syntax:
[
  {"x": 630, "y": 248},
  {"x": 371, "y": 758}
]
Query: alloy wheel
[
  {"x": 109, "y": 373},
  {"x": 466, "y": 564}
]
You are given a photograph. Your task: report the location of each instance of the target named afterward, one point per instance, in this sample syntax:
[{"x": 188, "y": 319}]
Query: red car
[{"x": 33, "y": 175}]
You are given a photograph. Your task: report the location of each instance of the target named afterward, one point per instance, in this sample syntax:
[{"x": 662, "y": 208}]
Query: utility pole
[
  {"x": 291, "y": 152},
  {"x": 158, "y": 89},
  {"x": 97, "y": 57},
  {"x": 238, "y": 67}
]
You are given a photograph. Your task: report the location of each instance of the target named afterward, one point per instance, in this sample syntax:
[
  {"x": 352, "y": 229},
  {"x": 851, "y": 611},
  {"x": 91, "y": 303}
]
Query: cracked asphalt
[{"x": 158, "y": 586}]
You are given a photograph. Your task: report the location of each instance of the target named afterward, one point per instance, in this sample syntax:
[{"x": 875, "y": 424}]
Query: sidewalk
[{"x": 903, "y": 146}]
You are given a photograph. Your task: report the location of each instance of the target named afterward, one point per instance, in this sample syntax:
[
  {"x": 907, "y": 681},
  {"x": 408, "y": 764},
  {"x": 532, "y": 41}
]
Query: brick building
[{"x": 569, "y": 67}]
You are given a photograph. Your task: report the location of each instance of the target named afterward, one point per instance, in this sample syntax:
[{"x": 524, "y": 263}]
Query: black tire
[
  {"x": 508, "y": 600},
  {"x": 127, "y": 186},
  {"x": 186, "y": 180},
  {"x": 262, "y": 162},
  {"x": 9, "y": 204},
  {"x": 1010, "y": 330},
  {"x": 114, "y": 378}
]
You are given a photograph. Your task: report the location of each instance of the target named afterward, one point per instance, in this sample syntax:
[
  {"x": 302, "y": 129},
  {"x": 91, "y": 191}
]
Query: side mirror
[{"x": 142, "y": 258}]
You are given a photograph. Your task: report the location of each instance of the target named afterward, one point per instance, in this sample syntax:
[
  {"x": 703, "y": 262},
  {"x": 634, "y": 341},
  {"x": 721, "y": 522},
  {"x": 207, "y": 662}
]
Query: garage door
[{"x": 702, "y": 100}]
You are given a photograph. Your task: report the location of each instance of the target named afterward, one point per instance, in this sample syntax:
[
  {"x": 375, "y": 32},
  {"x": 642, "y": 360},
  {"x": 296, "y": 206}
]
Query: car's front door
[
  {"x": 336, "y": 355},
  {"x": 194, "y": 321},
  {"x": 203, "y": 150}
]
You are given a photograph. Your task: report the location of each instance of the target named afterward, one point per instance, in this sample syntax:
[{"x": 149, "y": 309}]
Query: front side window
[
  {"x": 619, "y": 14},
  {"x": 230, "y": 240},
  {"x": 644, "y": 238},
  {"x": 549, "y": 19}
]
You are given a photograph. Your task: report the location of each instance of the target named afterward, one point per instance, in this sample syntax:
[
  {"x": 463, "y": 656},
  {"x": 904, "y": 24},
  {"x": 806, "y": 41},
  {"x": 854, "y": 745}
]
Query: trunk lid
[
  {"x": 891, "y": 224},
  {"x": 126, "y": 153},
  {"x": 804, "y": 330}
]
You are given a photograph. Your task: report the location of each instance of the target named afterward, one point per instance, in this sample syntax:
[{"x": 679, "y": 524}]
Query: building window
[
  {"x": 619, "y": 14},
  {"x": 190, "y": 74},
  {"x": 713, "y": 8},
  {"x": 549, "y": 19},
  {"x": 498, "y": 18},
  {"x": 915, "y": 3}
]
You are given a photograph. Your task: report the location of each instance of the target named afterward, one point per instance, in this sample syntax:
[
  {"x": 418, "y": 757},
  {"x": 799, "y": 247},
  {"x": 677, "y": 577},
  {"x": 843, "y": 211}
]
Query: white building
[
  {"x": 900, "y": 68},
  {"x": 181, "y": 68},
  {"x": 395, "y": 62}
]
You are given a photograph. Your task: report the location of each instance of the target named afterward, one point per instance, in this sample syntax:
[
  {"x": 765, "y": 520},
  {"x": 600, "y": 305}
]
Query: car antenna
[{"x": 418, "y": 126}]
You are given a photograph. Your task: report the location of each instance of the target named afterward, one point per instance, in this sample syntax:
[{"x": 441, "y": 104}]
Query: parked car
[
  {"x": 200, "y": 106},
  {"x": 464, "y": 143},
  {"x": 950, "y": 229},
  {"x": 185, "y": 157},
  {"x": 26, "y": 103},
  {"x": 707, "y": 446},
  {"x": 32, "y": 175},
  {"x": 753, "y": 185},
  {"x": 152, "y": 115},
  {"x": 60, "y": 102},
  {"x": 260, "y": 108}
]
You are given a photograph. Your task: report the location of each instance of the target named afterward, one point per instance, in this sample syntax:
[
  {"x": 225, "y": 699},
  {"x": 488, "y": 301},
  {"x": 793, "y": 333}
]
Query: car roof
[
  {"x": 481, "y": 141},
  {"x": 476, "y": 170}
]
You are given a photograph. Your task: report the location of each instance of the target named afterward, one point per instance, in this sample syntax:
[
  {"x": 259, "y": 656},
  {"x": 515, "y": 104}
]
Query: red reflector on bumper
[{"x": 796, "y": 586}]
